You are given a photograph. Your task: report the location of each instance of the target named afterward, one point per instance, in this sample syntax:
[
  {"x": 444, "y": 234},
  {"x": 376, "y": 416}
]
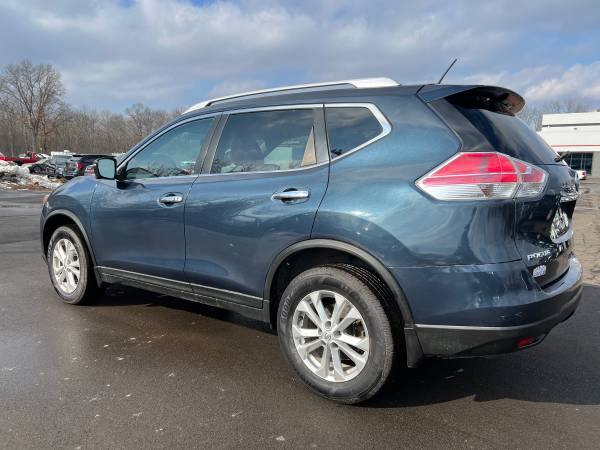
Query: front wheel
[
  {"x": 70, "y": 267},
  {"x": 334, "y": 332}
]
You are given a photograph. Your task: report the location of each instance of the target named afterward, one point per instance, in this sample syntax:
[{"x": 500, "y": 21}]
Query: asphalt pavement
[{"x": 143, "y": 370}]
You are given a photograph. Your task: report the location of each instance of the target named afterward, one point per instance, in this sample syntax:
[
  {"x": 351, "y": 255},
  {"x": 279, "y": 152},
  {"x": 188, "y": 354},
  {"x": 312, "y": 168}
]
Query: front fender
[{"x": 71, "y": 201}]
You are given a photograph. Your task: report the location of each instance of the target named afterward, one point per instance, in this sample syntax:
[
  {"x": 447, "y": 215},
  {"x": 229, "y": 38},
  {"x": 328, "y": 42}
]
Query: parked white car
[{"x": 581, "y": 174}]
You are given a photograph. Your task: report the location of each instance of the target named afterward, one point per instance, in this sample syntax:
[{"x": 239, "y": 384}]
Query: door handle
[
  {"x": 170, "y": 199},
  {"x": 290, "y": 194}
]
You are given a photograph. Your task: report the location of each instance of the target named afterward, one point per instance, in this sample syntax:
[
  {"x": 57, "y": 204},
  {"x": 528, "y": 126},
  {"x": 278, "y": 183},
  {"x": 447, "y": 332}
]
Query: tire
[
  {"x": 354, "y": 379},
  {"x": 85, "y": 290}
]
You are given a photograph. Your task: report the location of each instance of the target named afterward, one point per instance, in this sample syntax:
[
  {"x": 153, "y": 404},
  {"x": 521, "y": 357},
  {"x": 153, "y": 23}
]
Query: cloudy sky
[{"x": 170, "y": 53}]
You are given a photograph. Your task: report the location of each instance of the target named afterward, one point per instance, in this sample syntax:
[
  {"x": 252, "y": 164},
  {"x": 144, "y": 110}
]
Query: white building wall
[
  {"x": 575, "y": 133},
  {"x": 596, "y": 165}
]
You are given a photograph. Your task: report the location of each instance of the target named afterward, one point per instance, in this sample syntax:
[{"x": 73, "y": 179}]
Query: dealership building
[{"x": 577, "y": 134}]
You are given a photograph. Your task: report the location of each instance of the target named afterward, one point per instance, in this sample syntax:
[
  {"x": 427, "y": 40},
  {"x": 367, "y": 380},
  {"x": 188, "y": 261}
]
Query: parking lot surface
[{"x": 142, "y": 370}]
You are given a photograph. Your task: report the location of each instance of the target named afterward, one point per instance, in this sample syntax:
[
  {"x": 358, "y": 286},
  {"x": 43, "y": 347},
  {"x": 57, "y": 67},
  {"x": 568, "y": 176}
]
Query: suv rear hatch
[{"x": 484, "y": 118}]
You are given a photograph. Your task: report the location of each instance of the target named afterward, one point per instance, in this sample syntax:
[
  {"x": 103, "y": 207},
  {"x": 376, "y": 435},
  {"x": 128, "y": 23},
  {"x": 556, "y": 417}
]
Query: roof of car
[
  {"x": 301, "y": 95},
  {"x": 342, "y": 91}
]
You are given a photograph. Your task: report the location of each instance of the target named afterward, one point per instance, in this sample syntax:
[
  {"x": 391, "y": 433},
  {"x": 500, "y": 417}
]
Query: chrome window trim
[
  {"x": 175, "y": 125},
  {"x": 359, "y": 83},
  {"x": 386, "y": 127},
  {"x": 171, "y": 177},
  {"x": 263, "y": 109},
  {"x": 265, "y": 171},
  {"x": 274, "y": 108}
]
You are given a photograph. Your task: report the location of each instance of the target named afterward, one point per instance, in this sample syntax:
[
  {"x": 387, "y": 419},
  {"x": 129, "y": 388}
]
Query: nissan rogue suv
[{"x": 371, "y": 224}]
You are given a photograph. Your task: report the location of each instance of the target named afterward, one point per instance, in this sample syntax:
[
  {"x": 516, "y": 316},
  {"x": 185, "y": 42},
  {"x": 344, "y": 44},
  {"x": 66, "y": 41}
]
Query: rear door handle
[
  {"x": 171, "y": 199},
  {"x": 291, "y": 194}
]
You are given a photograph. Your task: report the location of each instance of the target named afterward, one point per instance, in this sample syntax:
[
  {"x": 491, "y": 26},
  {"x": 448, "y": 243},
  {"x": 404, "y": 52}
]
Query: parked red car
[{"x": 29, "y": 158}]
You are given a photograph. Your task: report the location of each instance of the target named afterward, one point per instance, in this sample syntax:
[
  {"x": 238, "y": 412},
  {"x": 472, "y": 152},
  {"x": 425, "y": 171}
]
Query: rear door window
[
  {"x": 266, "y": 141},
  {"x": 349, "y": 128}
]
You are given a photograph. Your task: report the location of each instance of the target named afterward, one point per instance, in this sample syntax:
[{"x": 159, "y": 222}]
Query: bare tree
[
  {"x": 33, "y": 116},
  {"x": 144, "y": 120},
  {"x": 35, "y": 92},
  {"x": 532, "y": 115}
]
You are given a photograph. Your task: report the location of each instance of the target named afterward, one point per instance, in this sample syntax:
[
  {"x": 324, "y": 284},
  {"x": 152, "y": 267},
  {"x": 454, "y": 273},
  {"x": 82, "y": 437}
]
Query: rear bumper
[
  {"x": 448, "y": 341},
  {"x": 529, "y": 318}
]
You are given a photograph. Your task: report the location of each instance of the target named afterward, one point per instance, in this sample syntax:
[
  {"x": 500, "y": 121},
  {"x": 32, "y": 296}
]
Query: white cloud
[
  {"x": 170, "y": 53},
  {"x": 578, "y": 81},
  {"x": 549, "y": 82},
  {"x": 232, "y": 86}
]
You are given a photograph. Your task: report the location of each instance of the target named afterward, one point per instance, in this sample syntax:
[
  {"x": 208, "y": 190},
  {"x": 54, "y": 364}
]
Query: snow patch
[{"x": 12, "y": 175}]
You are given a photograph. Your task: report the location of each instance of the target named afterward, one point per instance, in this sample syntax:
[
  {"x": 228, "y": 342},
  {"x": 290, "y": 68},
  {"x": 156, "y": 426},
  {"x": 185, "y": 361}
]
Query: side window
[
  {"x": 266, "y": 141},
  {"x": 349, "y": 127},
  {"x": 172, "y": 154}
]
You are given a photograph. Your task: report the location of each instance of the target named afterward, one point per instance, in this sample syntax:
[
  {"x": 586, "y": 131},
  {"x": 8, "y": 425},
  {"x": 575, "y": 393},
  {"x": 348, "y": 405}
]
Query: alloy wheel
[
  {"x": 331, "y": 336},
  {"x": 65, "y": 265}
]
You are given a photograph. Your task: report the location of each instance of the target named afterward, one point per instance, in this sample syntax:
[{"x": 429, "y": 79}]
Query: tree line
[{"x": 34, "y": 116}]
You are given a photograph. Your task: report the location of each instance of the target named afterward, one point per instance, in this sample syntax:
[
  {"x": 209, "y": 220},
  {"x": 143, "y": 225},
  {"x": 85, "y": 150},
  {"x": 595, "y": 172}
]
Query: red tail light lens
[
  {"x": 79, "y": 166},
  {"x": 483, "y": 176}
]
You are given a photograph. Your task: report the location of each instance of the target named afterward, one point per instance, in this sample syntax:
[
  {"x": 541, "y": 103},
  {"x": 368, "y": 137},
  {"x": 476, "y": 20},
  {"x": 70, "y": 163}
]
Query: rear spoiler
[{"x": 493, "y": 98}]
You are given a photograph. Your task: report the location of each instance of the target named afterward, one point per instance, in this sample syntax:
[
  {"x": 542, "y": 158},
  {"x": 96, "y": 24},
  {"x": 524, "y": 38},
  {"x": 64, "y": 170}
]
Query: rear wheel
[
  {"x": 70, "y": 267},
  {"x": 335, "y": 334}
]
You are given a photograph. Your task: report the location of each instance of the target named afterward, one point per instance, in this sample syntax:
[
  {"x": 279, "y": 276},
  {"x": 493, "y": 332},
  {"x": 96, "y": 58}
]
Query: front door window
[{"x": 173, "y": 154}]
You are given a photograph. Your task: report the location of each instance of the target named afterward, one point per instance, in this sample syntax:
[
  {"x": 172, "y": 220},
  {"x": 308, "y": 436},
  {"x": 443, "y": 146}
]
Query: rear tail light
[
  {"x": 483, "y": 176},
  {"x": 80, "y": 166}
]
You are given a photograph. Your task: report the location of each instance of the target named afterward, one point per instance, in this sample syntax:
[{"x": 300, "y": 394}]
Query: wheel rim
[
  {"x": 330, "y": 336},
  {"x": 65, "y": 265}
]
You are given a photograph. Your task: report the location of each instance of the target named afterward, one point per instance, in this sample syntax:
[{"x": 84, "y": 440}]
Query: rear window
[
  {"x": 350, "y": 127},
  {"x": 510, "y": 135}
]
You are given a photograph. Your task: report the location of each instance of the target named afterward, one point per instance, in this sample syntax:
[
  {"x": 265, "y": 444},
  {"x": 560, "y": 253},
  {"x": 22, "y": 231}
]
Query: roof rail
[{"x": 360, "y": 83}]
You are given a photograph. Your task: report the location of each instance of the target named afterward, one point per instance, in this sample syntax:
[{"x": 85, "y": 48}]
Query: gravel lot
[{"x": 141, "y": 370}]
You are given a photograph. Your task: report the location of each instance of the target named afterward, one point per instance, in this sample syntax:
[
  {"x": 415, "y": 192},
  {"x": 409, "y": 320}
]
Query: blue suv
[{"x": 371, "y": 224}]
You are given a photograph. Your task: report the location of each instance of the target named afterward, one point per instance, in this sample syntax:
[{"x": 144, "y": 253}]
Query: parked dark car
[
  {"x": 43, "y": 167},
  {"x": 75, "y": 166},
  {"x": 60, "y": 161},
  {"x": 370, "y": 224}
]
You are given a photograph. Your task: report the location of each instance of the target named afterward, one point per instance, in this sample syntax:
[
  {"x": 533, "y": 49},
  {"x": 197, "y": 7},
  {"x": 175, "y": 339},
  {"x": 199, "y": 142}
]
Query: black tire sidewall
[
  {"x": 78, "y": 295},
  {"x": 378, "y": 365}
]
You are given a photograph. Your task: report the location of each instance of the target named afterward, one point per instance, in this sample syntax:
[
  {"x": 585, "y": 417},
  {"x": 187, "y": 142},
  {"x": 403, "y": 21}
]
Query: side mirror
[{"x": 106, "y": 168}]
